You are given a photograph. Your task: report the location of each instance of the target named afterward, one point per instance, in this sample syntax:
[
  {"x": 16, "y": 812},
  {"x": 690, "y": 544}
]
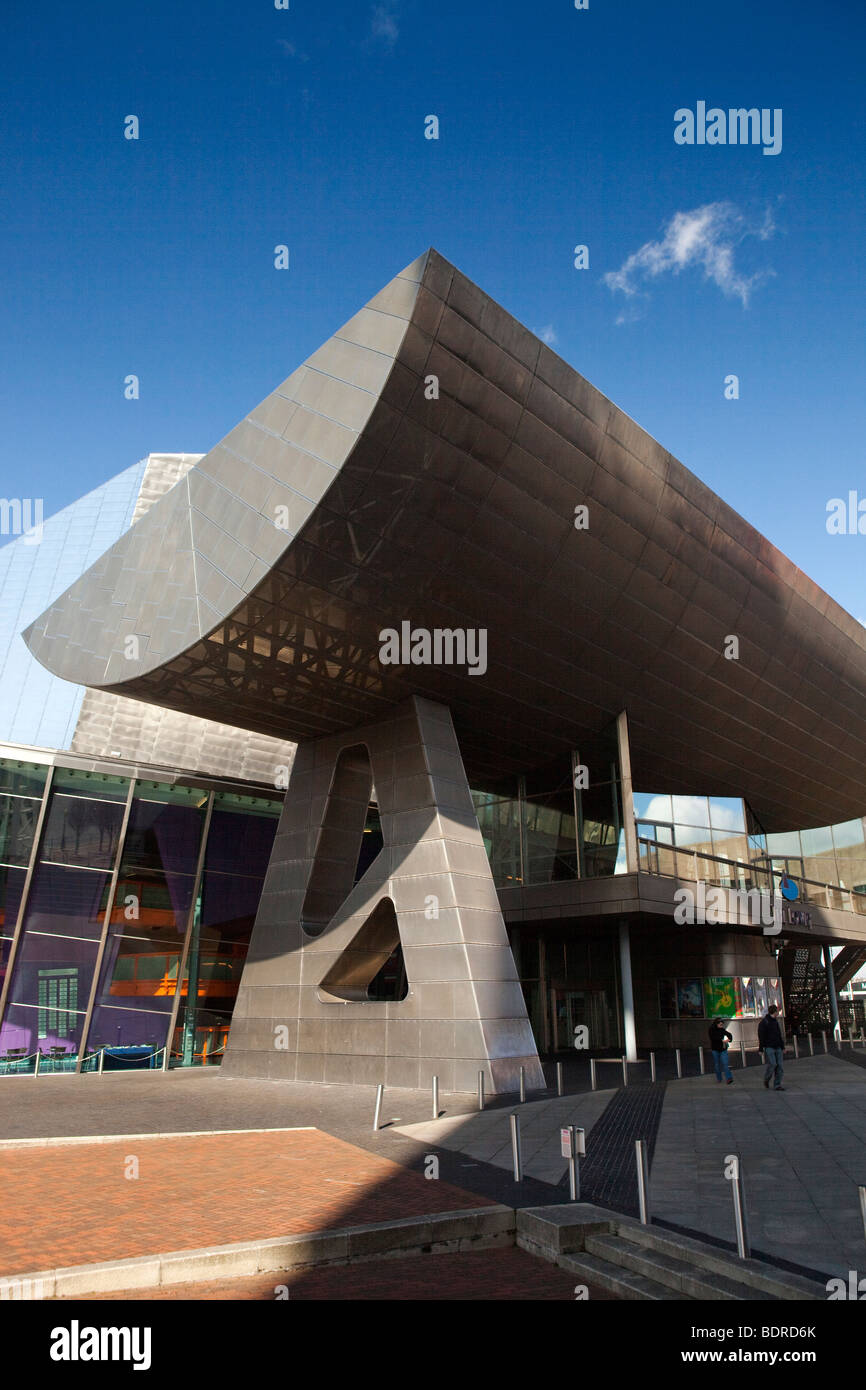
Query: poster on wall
[
  {"x": 690, "y": 999},
  {"x": 760, "y": 996},
  {"x": 667, "y": 999},
  {"x": 747, "y": 997},
  {"x": 774, "y": 993},
  {"x": 720, "y": 996}
]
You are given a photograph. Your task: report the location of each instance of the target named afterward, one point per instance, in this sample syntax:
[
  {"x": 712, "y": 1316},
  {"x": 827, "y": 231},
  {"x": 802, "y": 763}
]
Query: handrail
[{"x": 743, "y": 869}]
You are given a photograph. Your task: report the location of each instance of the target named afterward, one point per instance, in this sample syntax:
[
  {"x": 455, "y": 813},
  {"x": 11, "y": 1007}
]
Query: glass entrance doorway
[{"x": 573, "y": 1007}]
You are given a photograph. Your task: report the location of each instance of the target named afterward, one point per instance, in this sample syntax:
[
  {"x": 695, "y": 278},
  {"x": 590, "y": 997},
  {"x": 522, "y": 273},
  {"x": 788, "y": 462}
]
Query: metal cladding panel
[{"x": 458, "y": 512}]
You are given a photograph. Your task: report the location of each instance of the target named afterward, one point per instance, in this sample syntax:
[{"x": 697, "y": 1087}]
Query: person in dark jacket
[
  {"x": 772, "y": 1041},
  {"x": 719, "y": 1039}
]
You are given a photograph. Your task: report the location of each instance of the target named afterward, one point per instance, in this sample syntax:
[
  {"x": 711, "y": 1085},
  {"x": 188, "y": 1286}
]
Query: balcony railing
[{"x": 671, "y": 861}]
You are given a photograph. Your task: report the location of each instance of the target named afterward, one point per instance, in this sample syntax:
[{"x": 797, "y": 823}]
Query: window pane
[
  {"x": 82, "y": 832},
  {"x": 238, "y": 843},
  {"x": 161, "y": 836},
  {"x": 727, "y": 813},
  {"x": 67, "y": 902},
  {"x": 11, "y": 888},
  {"x": 99, "y": 785},
  {"x": 650, "y": 806},
  {"x": 691, "y": 810},
  {"x": 18, "y": 816},
  {"x": 26, "y": 779},
  {"x": 50, "y": 1024}
]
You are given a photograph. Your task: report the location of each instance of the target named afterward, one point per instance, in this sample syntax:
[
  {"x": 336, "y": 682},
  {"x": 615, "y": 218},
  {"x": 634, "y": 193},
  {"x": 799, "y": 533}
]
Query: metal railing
[{"x": 690, "y": 865}]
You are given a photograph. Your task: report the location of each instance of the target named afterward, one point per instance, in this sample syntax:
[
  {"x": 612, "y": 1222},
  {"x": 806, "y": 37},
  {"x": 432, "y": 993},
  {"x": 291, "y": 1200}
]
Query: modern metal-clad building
[{"x": 438, "y": 559}]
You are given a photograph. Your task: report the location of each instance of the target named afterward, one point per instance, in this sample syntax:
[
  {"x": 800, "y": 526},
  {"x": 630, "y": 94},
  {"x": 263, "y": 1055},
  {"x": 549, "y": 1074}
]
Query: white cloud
[
  {"x": 383, "y": 22},
  {"x": 547, "y": 335},
  {"x": 706, "y": 238}
]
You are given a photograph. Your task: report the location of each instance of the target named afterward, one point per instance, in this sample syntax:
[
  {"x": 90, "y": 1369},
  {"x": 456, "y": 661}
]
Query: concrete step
[
  {"x": 661, "y": 1267},
  {"x": 592, "y": 1269},
  {"x": 761, "y": 1279}
]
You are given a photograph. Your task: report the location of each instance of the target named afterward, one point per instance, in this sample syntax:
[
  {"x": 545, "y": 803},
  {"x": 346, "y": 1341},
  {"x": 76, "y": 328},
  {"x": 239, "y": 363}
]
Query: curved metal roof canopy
[{"x": 349, "y": 502}]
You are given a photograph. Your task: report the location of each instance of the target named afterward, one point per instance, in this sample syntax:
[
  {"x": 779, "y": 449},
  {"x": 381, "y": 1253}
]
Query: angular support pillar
[{"x": 319, "y": 939}]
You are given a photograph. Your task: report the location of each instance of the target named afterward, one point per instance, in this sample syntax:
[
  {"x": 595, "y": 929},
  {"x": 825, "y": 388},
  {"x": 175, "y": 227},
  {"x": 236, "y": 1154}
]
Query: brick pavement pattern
[
  {"x": 489, "y": 1275},
  {"x": 74, "y": 1205}
]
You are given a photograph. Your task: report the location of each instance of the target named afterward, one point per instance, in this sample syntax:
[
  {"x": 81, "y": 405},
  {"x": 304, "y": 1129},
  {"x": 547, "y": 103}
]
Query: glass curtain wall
[
  {"x": 118, "y": 930},
  {"x": 238, "y": 848},
  {"x": 64, "y": 915}
]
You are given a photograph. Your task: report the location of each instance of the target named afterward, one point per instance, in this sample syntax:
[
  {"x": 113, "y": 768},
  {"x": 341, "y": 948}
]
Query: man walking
[
  {"x": 719, "y": 1039},
  {"x": 772, "y": 1042}
]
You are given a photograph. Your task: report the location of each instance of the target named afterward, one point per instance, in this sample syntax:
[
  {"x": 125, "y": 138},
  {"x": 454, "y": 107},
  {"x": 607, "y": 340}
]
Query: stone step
[
  {"x": 661, "y": 1267},
  {"x": 613, "y": 1278},
  {"x": 762, "y": 1279}
]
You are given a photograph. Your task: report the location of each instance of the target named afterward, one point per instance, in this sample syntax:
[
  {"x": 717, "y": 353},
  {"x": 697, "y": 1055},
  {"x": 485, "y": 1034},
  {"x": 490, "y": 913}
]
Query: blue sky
[{"x": 306, "y": 127}]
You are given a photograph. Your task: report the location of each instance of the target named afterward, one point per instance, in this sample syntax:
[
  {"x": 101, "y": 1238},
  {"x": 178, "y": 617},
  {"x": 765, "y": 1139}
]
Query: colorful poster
[
  {"x": 774, "y": 993},
  {"x": 747, "y": 997},
  {"x": 667, "y": 999},
  {"x": 690, "y": 999},
  {"x": 720, "y": 996},
  {"x": 760, "y": 996}
]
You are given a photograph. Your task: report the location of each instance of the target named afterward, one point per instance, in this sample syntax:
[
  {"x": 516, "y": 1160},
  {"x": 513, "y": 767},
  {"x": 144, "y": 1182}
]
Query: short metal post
[
  {"x": 824, "y": 1036},
  {"x": 862, "y": 1192},
  {"x": 515, "y": 1148},
  {"x": 101, "y": 1058},
  {"x": 481, "y": 1090},
  {"x": 559, "y": 1078},
  {"x": 380, "y": 1091},
  {"x": 652, "y": 1066},
  {"x": 811, "y": 1046},
  {"x": 701, "y": 1060},
  {"x": 743, "y": 1052},
  {"x": 741, "y": 1220},
  {"x": 796, "y": 1048},
  {"x": 166, "y": 1051},
  {"x": 624, "y": 1071},
  {"x": 592, "y": 1075},
  {"x": 679, "y": 1056},
  {"x": 642, "y": 1180},
  {"x": 522, "y": 1084},
  {"x": 850, "y": 1038},
  {"x": 38, "y": 1060},
  {"x": 435, "y": 1097}
]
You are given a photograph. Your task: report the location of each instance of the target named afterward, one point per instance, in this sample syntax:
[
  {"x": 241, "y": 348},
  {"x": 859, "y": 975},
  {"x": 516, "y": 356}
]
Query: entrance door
[{"x": 573, "y": 1007}]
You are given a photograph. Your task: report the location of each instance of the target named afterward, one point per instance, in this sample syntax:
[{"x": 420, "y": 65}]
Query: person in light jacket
[{"x": 772, "y": 1041}]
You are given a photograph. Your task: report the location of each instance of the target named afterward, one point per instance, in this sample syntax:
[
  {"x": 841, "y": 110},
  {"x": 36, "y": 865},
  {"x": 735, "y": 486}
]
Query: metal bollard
[
  {"x": 642, "y": 1180},
  {"x": 811, "y": 1046},
  {"x": 559, "y": 1078},
  {"x": 380, "y": 1091},
  {"x": 701, "y": 1060},
  {"x": 824, "y": 1036},
  {"x": 741, "y": 1220},
  {"x": 522, "y": 1084},
  {"x": 652, "y": 1066},
  {"x": 592, "y": 1076},
  {"x": 796, "y": 1048},
  {"x": 743, "y": 1052},
  {"x": 679, "y": 1056},
  {"x": 625, "y": 1071},
  {"x": 862, "y": 1192},
  {"x": 101, "y": 1058},
  {"x": 38, "y": 1060},
  {"x": 435, "y": 1097},
  {"x": 481, "y": 1090},
  {"x": 166, "y": 1052},
  {"x": 515, "y": 1149}
]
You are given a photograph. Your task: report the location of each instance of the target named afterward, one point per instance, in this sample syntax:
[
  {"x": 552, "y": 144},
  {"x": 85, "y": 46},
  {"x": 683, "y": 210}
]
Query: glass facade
[
  {"x": 129, "y": 923},
  {"x": 37, "y": 708}
]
